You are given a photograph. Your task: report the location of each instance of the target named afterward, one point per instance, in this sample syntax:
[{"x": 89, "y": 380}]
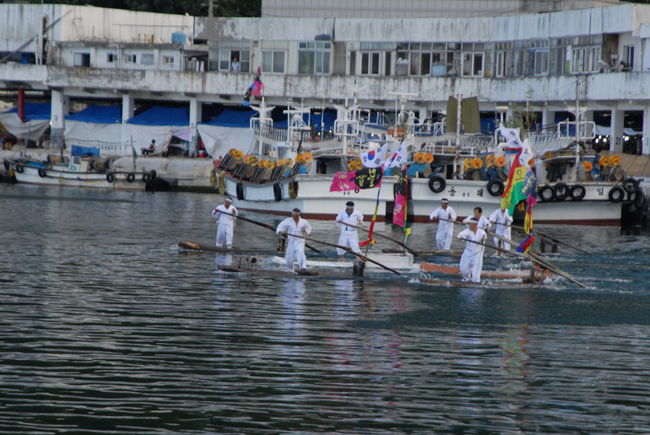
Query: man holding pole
[
  {"x": 295, "y": 226},
  {"x": 446, "y": 218},
  {"x": 227, "y": 215},
  {"x": 349, "y": 235},
  {"x": 471, "y": 262},
  {"x": 502, "y": 218}
]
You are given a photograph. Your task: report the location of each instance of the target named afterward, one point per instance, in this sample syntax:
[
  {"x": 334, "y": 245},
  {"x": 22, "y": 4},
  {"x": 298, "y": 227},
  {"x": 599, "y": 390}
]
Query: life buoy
[
  {"x": 603, "y": 161},
  {"x": 277, "y": 192},
  {"x": 546, "y": 193},
  {"x": 578, "y": 192},
  {"x": 561, "y": 191},
  {"x": 42, "y": 173},
  {"x": 110, "y": 178},
  {"x": 495, "y": 187},
  {"x": 477, "y": 163},
  {"x": 153, "y": 174},
  {"x": 616, "y": 194},
  {"x": 630, "y": 185},
  {"x": 588, "y": 166},
  {"x": 428, "y": 158},
  {"x": 130, "y": 178},
  {"x": 615, "y": 160},
  {"x": 418, "y": 157},
  {"x": 146, "y": 177},
  {"x": 240, "y": 191},
  {"x": 500, "y": 162},
  {"x": 437, "y": 184},
  {"x": 19, "y": 169}
]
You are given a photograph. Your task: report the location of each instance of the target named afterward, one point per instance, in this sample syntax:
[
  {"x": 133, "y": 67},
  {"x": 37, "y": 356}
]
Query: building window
[
  {"x": 541, "y": 62},
  {"x": 147, "y": 59},
  {"x": 111, "y": 58},
  {"x": 370, "y": 63},
  {"x": 168, "y": 60},
  {"x": 314, "y": 57},
  {"x": 629, "y": 55},
  {"x": 82, "y": 59},
  {"x": 273, "y": 62},
  {"x": 131, "y": 58},
  {"x": 585, "y": 59},
  {"x": 224, "y": 52},
  {"x": 473, "y": 64}
]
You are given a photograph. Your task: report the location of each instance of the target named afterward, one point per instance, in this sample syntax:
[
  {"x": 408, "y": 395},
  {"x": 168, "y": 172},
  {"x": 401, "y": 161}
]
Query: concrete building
[{"x": 546, "y": 61}]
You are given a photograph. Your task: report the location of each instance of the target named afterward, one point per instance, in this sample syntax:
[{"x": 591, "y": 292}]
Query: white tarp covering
[
  {"x": 143, "y": 134},
  {"x": 20, "y": 129},
  {"x": 88, "y": 133},
  {"x": 218, "y": 140},
  {"x": 606, "y": 131}
]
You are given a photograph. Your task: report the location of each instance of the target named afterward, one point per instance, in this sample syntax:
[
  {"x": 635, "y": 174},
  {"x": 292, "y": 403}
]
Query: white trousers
[
  {"x": 224, "y": 232},
  {"x": 503, "y": 233},
  {"x": 443, "y": 238},
  {"x": 351, "y": 239},
  {"x": 296, "y": 252},
  {"x": 471, "y": 266}
]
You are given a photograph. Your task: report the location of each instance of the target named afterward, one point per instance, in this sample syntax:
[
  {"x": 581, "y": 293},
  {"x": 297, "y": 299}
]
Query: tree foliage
[{"x": 197, "y": 8}]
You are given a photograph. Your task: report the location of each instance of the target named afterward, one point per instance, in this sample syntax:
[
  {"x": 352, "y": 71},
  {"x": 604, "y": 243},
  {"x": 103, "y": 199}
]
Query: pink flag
[{"x": 362, "y": 179}]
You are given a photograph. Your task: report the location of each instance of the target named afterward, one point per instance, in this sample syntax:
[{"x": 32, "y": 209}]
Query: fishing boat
[
  {"x": 290, "y": 168},
  {"x": 497, "y": 274},
  {"x": 84, "y": 168}
]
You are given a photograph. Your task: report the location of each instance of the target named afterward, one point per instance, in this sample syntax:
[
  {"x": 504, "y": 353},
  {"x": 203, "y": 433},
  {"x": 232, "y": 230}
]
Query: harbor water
[{"x": 106, "y": 327}]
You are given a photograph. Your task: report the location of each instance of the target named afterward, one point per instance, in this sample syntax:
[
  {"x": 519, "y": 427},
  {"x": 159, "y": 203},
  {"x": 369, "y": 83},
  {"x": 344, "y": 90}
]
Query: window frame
[
  {"x": 131, "y": 58},
  {"x": 166, "y": 58},
  {"x": 81, "y": 59},
  {"x": 319, "y": 54},
  {"x": 273, "y": 54}
]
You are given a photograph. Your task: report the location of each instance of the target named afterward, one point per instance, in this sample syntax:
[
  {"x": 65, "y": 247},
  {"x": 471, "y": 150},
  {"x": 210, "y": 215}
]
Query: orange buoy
[
  {"x": 260, "y": 164},
  {"x": 353, "y": 165},
  {"x": 300, "y": 158},
  {"x": 500, "y": 162},
  {"x": 307, "y": 157},
  {"x": 604, "y": 161},
  {"x": 467, "y": 163},
  {"x": 428, "y": 158},
  {"x": 231, "y": 151},
  {"x": 489, "y": 161},
  {"x": 288, "y": 162},
  {"x": 588, "y": 166},
  {"x": 615, "y": 160},
  {"x": 418, "y": 157},
  {"x": 531, "y": 162},
  {"x": 477, "y": 163}
]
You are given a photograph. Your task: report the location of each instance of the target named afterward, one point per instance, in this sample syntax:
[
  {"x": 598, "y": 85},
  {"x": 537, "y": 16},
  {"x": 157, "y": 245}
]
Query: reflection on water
[{"x": 107, "y": 328}]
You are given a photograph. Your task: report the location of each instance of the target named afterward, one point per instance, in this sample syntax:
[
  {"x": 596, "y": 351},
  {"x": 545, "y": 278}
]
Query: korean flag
[{"x": 374, "y": 158}]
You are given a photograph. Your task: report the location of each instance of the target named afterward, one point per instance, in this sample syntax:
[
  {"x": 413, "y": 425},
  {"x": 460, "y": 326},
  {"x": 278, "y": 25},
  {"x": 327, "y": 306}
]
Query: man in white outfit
[
  {"x": 483, "y": 223},
  {"x": 502, "y": 218},
  {"x": 446, "y": 217},
  {"x": 471, "y": 262},
  {"x": 296, "y": 226},
  {"x": 349, "y": 236},
  {"x": 226, "y": 213}
]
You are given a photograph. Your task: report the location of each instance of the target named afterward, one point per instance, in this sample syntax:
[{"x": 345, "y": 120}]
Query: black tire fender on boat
[
  {"x": 240, "y": 191},
  {"x": 153, "y": 174},
  {"x": 630, "y": 185},
  {"x": 130, "y": 178},
  {"x": 277, "y": 192},
  {"x": 616, "y": 194},
  {"x": 546, "y": 193},
  {"x": 19, "y": 169},
  {"x": 437, "y": 184},
  {"x": 146, "y": 177},
  {"x": 42, "y": 173},
  {"x": 562, "y": 191},
  {"x": 495, "y": 187},
  {"x": 110, "y": 178},
  {"x": 578, "y": 192}
]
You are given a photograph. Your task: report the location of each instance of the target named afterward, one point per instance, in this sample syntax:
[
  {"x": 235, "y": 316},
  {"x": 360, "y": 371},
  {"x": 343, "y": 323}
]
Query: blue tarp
[
  {"x": 162, "y": 116},
  {"x": 35, "y": 111},
  {"x": 84, "y": 151},
  {"x": 233, "y": 118},
  {"x": 329, "y": 117},
  {"x": 98, "y": 114}
]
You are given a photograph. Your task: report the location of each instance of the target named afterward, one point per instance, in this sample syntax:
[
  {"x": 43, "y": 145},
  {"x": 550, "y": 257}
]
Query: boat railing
[
  {"x": 576, "y": 130},
  {"x": 106, "y": 148},
  {"x": 269, "y": 131}
]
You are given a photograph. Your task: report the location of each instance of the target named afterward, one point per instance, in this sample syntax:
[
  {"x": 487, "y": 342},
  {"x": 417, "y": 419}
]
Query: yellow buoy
[
  {"x": 615, "y": 160},
  {"x": 477, "y": 163},
  {"x": 604, "y": 161},
  {"x": 300, "y": 158},
  {"x": 307, "y": 157},
  {"x": 428, "y": 158},
  {"x": 418, "y": 157}
]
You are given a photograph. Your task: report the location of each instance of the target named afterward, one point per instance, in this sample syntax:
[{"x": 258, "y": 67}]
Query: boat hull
[
  {"x": 500, "y": 274},
  {"x": 316, "y": 201},
  {"x": 59, "y": 177}
]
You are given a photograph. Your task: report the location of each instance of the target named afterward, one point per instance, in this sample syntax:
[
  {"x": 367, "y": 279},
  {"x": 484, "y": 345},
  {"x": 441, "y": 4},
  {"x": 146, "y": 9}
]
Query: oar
[
  {"x": 348, "y": 250},
  {"x": 535, "y": 258},
  {"x": 417, "y": 254},
  {"x": 550, "y": 237},
  {"x": 265, "y": 226},
  {"x": 503, "y": 250}
]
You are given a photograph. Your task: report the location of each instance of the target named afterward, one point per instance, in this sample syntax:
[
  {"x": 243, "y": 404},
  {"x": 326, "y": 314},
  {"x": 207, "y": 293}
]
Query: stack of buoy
[
  {"x": 236, "y": 154},
  {"x": 304, "y": 157},
  {"x": 421, "y": 157}
]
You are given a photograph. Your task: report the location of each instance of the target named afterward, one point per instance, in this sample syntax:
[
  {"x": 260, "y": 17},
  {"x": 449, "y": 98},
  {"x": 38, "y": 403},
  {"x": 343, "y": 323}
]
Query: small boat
[
  {"x": 483, "y": 283},
  {"x": 191, "y": 246},
  {"x": 84, "y": 168},
  {"x": 499, "y": 274},
  {"x": 392, "y": 260}
]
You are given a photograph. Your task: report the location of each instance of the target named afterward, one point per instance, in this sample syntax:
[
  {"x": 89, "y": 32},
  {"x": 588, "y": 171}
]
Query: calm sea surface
[{"x": 107, "y": 328}]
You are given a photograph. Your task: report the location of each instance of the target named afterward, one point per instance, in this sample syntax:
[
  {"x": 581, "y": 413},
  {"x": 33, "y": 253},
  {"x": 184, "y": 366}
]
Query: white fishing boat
[
  {"x": 84, "y": 168},
  {"x": 468, "y": 170}
]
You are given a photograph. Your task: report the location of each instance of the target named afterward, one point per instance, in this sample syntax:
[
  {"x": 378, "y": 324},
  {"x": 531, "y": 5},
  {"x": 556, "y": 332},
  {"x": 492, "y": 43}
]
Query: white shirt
[
  {"x": 483, "y": 223},
  {"x": 501, "y": 217},
  {"x": 467, "y": 234},
  {"x": 224, "y": 218},
  {"x": 355, "y": 218},
  {"x": 444, "y": 215},
  {"x": 290, "y": 226}
]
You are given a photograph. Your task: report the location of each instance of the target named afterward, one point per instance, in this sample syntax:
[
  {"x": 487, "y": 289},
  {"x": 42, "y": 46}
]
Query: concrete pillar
[
  {"x": 196, "y": 107},
  {"x": 60, "y": 108},
  {"x": 646, "y": 132},
  {"x": 548, "y": 116},
  {"x": 616, "y": 134},
  {"x": 128, "y": 109}
]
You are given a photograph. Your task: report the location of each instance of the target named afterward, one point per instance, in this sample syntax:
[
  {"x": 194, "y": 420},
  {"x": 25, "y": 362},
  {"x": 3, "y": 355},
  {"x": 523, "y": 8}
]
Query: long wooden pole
[
  {"x": 270, "y": 227},
  {"x": 417, "y": 254},
  {"x": 348, "y": 250},
  {"x": 535, "y": 258},
  {"x": 550, "y": 237}
]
